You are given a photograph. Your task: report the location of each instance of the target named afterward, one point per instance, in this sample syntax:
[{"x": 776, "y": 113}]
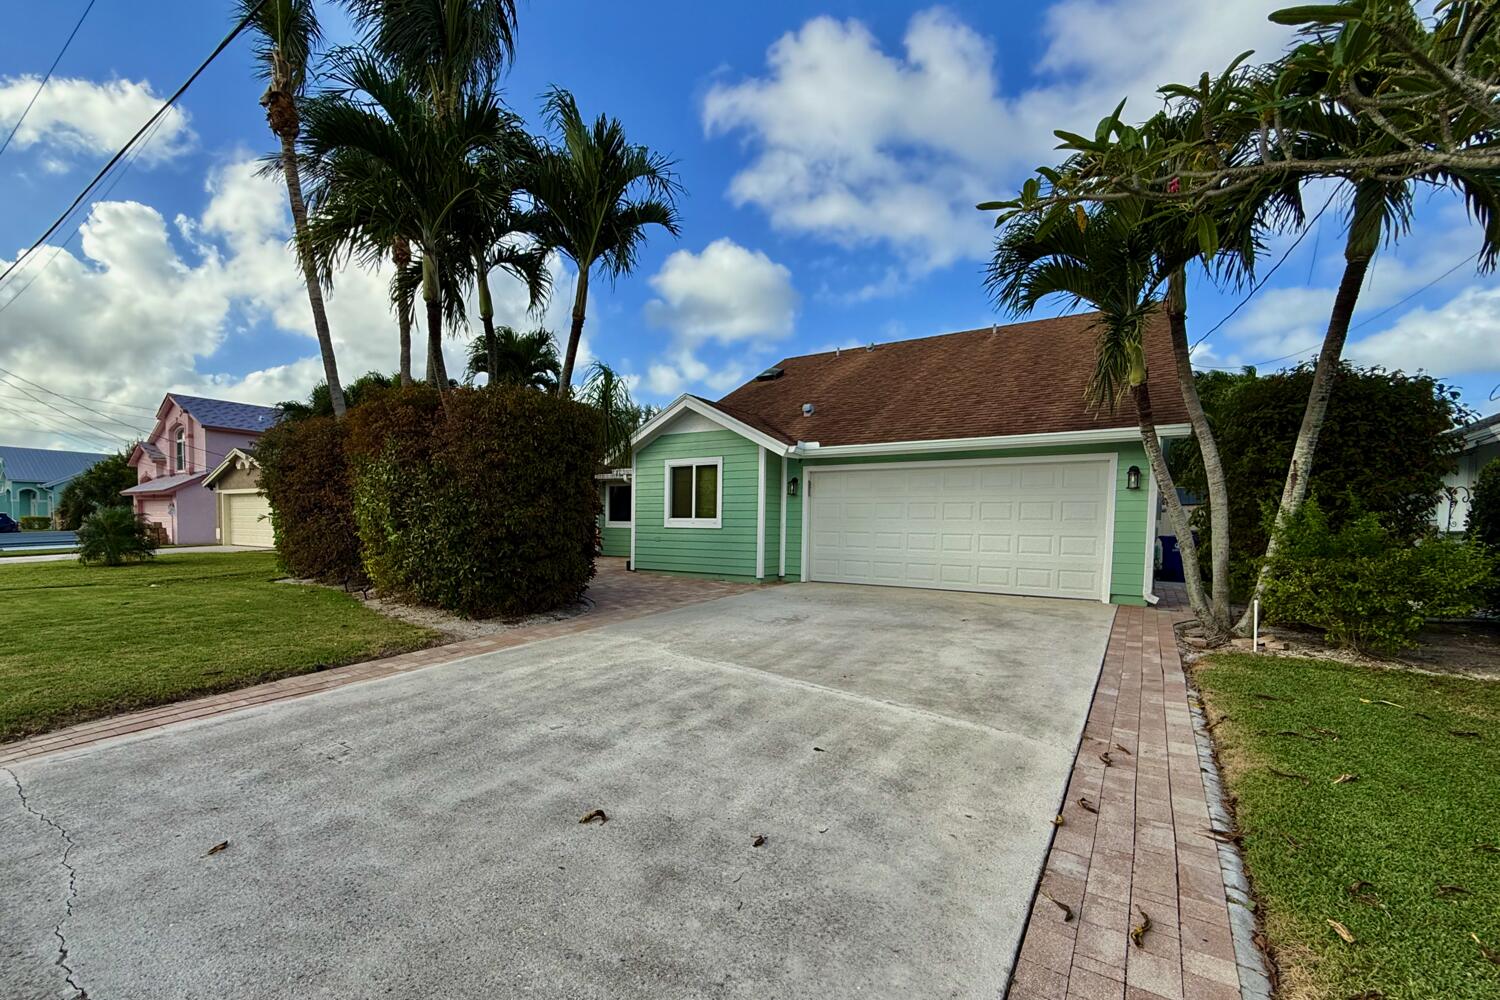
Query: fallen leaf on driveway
[
  {"x": 1107, "y": 759},
  {"x": 1122, "y": 750},
  {"x": 759, "y": 841},
  {"x": 1341, "y": 931},
  {"x": 1087, "y": 806},
  {"x": 220, "y": 846},
  {"x": 1058, "y": 821},
  {"x": 1138, "y": 932},
  {"x": 1066, "y": 909},
  {"x": 594, "y": 814},
  {"x": 819, "y": 750}
]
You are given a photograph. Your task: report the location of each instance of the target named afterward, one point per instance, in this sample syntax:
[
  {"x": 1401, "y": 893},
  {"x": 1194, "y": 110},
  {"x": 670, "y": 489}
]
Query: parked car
[{"x": 8, "y": 523}]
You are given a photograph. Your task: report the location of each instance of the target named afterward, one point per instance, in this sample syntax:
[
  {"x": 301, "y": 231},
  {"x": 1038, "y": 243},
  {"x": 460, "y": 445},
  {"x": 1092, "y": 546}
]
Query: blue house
[{"x": 32, "y": 479}]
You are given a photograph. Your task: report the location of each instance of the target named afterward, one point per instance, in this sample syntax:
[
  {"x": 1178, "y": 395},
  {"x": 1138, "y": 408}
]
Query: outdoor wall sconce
[
  {"x": 791, "y": 487},
  {"x": 1133, "y": 478}
]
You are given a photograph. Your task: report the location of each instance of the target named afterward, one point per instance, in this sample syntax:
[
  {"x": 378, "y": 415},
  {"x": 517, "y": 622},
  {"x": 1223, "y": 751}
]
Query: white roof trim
[
  {"x": 654, "y": 427},
  {"x": 1092, "y": 436},
  {"x": 235, "y": 455}
]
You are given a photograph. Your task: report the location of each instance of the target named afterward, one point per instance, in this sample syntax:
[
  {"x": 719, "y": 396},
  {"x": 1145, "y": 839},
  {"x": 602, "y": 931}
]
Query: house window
[
  {"x": 181, "y": 450},
  {"x": 617, "y": 506},
  {"x": 694, "y": 493}
]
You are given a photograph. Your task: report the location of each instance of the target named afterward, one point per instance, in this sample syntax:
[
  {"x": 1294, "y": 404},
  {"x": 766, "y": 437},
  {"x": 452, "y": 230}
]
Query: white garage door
[
  {"x": 247, "y": 520},
  {"x": 1012, "y": 528}
]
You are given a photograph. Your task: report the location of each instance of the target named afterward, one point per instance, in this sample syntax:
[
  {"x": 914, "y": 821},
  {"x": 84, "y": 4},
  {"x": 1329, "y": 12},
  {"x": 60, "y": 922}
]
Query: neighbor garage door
[
  {"x": 247, "y": 520},
  {"x": 1008, "y": 528}
]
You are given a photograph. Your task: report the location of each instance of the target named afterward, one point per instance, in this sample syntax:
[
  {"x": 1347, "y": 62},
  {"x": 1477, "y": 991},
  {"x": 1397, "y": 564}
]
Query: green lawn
[
  {"x": 1406, "y": 855},
  {"x": 82, "y": 642}
]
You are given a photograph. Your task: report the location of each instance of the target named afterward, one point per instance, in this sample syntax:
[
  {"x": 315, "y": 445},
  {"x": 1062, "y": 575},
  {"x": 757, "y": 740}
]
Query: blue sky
[{"x": 831, "y": 154}]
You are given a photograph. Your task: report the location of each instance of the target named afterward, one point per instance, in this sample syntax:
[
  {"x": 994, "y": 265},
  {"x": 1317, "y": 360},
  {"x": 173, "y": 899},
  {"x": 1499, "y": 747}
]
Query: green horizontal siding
[
  {"x": 616, "y": 541},
  {"x": 1127, "y": 561},
  {"x": 726, "y": 552},
  {"x": 773, "y": 515}
]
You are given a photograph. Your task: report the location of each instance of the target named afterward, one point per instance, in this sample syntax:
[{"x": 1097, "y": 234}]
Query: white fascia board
[
  {"x": 1091, "y": 436},
  {"x": 654, "y": 427}
]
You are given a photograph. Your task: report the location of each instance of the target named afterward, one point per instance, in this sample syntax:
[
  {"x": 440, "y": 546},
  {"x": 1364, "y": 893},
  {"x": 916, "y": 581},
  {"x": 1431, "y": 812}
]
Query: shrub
[
  {"x": 35, "y": 522},
  {"x": 304, "y": 473},
  {"x": 1484, "y": 526},
  {"x": 484, "y": 505},
  {"x": 1363, "y": 585},
  {"x": 97, "y": 486},
  {"x": 115, "y": 535},
  {"x": 1384, "y": 450}
]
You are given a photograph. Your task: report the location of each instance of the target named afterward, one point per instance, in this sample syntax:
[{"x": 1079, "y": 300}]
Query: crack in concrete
[{"x": 57, "y": 930}]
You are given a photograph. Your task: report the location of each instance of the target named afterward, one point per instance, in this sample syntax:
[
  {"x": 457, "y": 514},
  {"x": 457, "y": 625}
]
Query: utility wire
[
  {"x": 1356, "y": 326},
  {"x": 1312, "y": 223},
  {"x": 41, "y": 86},
  {"x": 14, "y": 400},
  {"x": 224, "y": 44},
  {"x": 57, "y": 250},
  {"x": 53, "y": 407},
  {"x": 93, "y": 443}
]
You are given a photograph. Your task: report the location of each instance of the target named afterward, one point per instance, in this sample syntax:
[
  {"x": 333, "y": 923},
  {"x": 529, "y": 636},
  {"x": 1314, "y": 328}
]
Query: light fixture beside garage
[
  {"x": 791, "y": 487},
  {"x": 1133, "y": 478}
]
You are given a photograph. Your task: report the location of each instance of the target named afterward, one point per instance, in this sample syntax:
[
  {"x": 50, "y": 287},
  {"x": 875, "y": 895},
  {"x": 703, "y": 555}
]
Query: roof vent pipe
[{"x": 807, "y": 409}]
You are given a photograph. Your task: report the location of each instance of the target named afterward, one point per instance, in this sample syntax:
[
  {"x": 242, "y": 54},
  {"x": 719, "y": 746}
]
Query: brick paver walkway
[
  {"x": 1134, "y": 840},
  {"x": 617, "y": 595}
]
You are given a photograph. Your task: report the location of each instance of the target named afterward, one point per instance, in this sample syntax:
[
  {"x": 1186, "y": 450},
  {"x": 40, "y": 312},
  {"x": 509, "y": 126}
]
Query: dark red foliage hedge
[
  {"x": 485, "y": 505},
  {"x": 304, "y": 473}
]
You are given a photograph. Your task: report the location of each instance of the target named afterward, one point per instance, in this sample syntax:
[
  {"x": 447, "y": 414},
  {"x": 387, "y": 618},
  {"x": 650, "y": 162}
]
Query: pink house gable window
[{"x": 181, "y": 454}]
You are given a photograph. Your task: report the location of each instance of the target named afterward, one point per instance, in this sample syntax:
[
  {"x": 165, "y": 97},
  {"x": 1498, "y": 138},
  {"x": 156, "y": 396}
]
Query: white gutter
[{"x": 1100, "y": 435}]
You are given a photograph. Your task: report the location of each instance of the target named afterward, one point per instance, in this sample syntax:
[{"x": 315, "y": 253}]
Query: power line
[
  {"x": 133, "y": 428},
  {"x": 54, "y": 408},
  {"x": 1269, "y": 274},
  {"x": 1419, "y": 291},
  {"x": 39, "y": 87},
  {"x": 43, "y": 388},
  {"x": 224, "y": 44},
  {"x": 55, "y": 428},
  {"x": 1356, "y": 326},
  {"x": 57, "y": 250}
]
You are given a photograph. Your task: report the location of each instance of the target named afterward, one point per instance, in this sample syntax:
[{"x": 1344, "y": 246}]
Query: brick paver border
[
  {"x": 1134, "y": 842},
  {"x": 615, "y": 595}
]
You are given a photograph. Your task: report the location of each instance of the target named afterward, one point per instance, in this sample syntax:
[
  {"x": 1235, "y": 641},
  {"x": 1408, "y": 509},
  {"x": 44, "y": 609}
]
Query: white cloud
[
  {"x": 73, "y": 117},
  {"x": 1460, "y": 337},
  {"x": 861, "y": 147},
  {"x": 130, "y": 316},
  {"x": 726, "y": 293}
]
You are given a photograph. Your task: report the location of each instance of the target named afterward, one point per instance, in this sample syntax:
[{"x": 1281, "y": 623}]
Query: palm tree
[
  {"x": 595, "y": 195},
  {"x": 448, "y": 47},
  {"x": 1109, "y": 259},
  {"x": 402, "y": 303},
  {"x": 287, "y": 32},
  {"x": 609, "y": 393},
  {"x": 528, "y": 359},
  {"x": 393, "y": 168}
]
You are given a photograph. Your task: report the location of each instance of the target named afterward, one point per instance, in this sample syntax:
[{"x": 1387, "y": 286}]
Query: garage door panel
[
  {"x": 955, "y": 527},
  {"x": 247, "y": 520}
]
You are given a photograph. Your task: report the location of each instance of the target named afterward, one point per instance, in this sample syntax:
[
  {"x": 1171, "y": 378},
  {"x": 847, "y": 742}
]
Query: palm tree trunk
[
  {"x": 1357, "y": 256},
  {"x": 437, "y": 369},
  {"x": 1208, "y": 447},
  {"x": 487, "y": 315},
  {"x": 1216, "y": 631},
  {"x": 309, "y": 270},
  {"x": 403, "y": 318},
  {"x": 580, "y": 301}
]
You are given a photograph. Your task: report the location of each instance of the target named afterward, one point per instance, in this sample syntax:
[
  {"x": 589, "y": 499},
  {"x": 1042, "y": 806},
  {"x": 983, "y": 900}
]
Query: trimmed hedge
[
  {"x": 304, "y": 473},
  {"x": 35, "y": 522},
  {"x": 485, "y": 505}
]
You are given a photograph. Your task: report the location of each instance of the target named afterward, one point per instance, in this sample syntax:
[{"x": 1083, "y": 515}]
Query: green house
[{"x": 967, "y": 461}]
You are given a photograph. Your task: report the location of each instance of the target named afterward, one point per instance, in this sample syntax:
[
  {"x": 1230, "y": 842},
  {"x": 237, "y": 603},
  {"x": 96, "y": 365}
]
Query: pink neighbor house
[{"x": 192, "y": 437}]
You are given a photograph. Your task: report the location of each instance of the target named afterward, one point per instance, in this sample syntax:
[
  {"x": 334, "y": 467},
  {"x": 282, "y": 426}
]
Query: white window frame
[
  {"x": 668, "y": 521},
  {"x": 179, "y": 449},
  {"x": 615, "y": 486}
]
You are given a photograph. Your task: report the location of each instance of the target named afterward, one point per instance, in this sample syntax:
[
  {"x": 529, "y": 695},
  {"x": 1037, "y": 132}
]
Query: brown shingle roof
[{"x": 1026, "y": 378}]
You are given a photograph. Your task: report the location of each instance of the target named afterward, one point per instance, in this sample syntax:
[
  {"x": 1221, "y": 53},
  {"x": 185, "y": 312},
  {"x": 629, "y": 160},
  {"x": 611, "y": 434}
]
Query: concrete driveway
[{"x": 902, "y": 752}]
